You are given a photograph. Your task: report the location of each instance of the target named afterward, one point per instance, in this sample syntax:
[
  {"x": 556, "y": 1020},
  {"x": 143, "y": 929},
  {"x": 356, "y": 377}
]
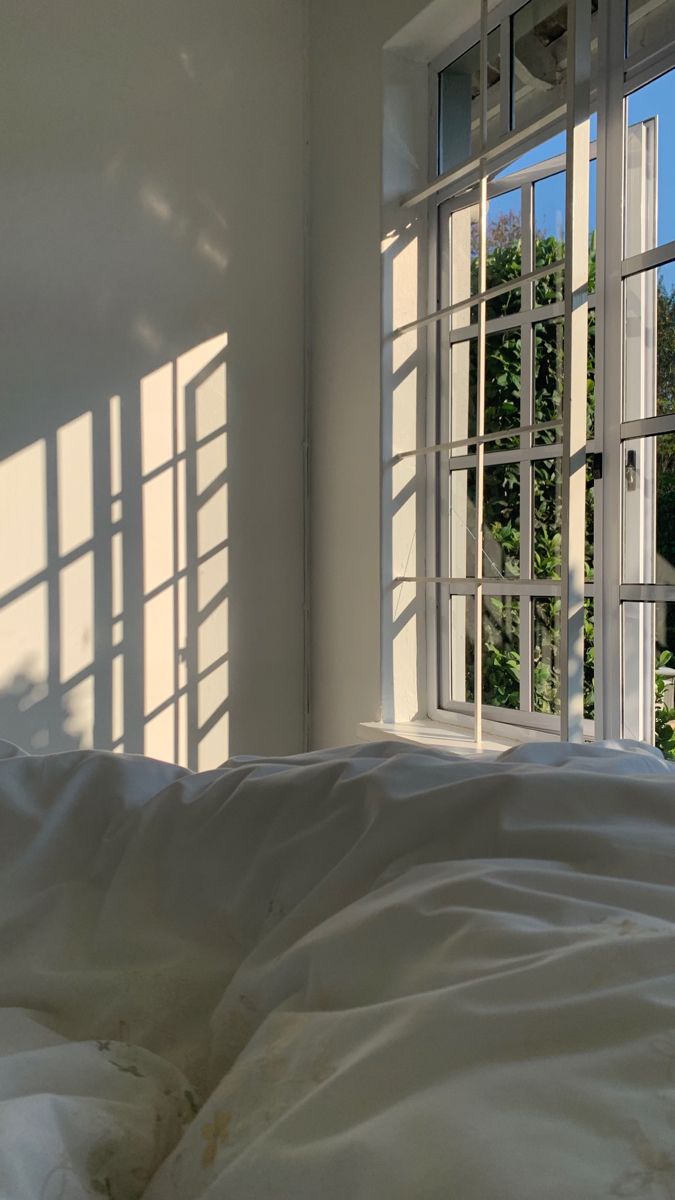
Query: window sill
[{"x": 433, "y": 733}]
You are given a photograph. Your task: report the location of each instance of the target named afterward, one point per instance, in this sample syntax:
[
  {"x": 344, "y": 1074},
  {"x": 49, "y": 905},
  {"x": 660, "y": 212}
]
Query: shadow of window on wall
[{"x": 114, "y": 573}]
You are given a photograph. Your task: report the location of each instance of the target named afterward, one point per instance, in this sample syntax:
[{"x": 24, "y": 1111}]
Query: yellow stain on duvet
[{"x": 215, "y": 1132}]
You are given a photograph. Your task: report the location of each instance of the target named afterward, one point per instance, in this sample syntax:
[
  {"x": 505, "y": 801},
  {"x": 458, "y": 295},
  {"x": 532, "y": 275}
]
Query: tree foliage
[{"x": 500, "y": 622}]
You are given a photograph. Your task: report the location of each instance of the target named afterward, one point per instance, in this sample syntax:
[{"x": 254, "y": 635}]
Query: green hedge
[{"x": 500, "y": 625}]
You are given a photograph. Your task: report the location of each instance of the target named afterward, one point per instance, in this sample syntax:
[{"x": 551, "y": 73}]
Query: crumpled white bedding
[{"x": 366, "y": 973}]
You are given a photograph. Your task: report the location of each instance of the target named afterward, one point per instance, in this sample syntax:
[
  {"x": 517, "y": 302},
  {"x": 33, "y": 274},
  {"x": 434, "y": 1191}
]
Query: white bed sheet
[{"x": 364, "y": 973}]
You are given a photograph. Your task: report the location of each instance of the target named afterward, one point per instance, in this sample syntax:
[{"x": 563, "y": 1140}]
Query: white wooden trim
[
  {"x": 646, "y": 593},
  {"x": 575, "y": 370},
  {"x": 649, "y": 260},
  {"x": 480, "y": 440},
  {"x": 609, "y": 369},
  {"x": 481, "y": 297},
  {"x": 464, "y": 176}
]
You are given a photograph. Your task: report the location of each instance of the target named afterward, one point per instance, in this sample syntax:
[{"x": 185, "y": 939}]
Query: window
[{"x": 549, "y": 448}]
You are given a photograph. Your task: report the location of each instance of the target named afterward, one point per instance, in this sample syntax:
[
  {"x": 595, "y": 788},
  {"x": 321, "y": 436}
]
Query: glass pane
[
  {"x": 549, "y": 235},
  {"x": 546, "y": 665},
  {"x": 504, "y": 251},
  {"x": 501, "y": 513},
  {"x": 648, "y": 662},
  {"x": 461, "y": 648},
  {"x": 649, "y": 510},
  {"x": 546, "y": 655},
  {"x": 592, "y": 221},
  {"x": 539, "y": 43},
  {"x": 649, "y": 344},
  {"x": 462, "y": 524},
  {"x": 501, "y": 651},
  {"x": 590, "y": 394},
  {"x": 502, "y": 386},
  {"x": 650, "y": 186},
  {"x": 651, "y": 25},
  {"x": 463, "y": 262},
  {"x": 589, "y": 556},
  {"x": 552, "y": 148},
  {"x": 459, "y": 104},
  {"x": 547, "y": 517},
  {"x": 589, "y": 659},
  {"x": 463, "y": 374},
  {"x": 548, "y": 377}
]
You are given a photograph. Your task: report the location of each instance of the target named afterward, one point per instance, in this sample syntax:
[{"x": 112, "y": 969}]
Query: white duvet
[{"x": 364, "y": 974}]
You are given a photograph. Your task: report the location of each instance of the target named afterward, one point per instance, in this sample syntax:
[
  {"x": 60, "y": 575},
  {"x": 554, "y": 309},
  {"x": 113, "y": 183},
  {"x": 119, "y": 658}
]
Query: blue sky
[{"x": 656, "y": 99}]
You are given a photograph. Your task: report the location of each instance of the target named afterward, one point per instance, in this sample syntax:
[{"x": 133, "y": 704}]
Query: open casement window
[
  {"x": 550, "y": 439},
  {"x": 521, "y": 422}
]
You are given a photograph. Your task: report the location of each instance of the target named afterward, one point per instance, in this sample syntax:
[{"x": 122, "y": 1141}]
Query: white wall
[
  {"x": 347, "y": 41},
  {"x": 151, "y": 192}
]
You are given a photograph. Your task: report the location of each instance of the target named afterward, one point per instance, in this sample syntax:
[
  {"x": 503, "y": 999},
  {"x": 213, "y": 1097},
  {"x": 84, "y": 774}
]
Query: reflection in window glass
[
  {"x": 546, "y": 657},
  {"x": 589, "y": 556},
  {"x": 462, "y": 524},
  {"x": 552, "y": 148},
  {"x": 547, "y": 519},
  {"x": 461, "y": 648},
  {"x": 649, "y": 510},
  {"x": 463, "y": 376},
  {"x": 539, "y": 48},
  {"x": 651, "y": 25},
  {"x": 504, "y": 251},
  {"x": 589, "y": 659},
  {"x": 548, "y": 377},
  {"x": 549, "y": 368},
  {"x": 549, "y": 235},
  {"x": 501, "y": 651},
  {"x": 648, "y": 662},
  {"x": 463, "y": 231},
  {"x": 501, "y": 520},
  {"x": 539, "y": 57},
  {"x": 649, "y": 344},
  {"x": 459, "y": 104},
  {"x": 590, "y": 397},
  {"x": 502, "y": 386},
  {"x": 650, "y": 137}
]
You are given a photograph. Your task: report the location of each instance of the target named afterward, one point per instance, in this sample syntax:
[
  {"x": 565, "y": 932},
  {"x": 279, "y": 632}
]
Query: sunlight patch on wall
[
  {"x": 23, "y": 506},
  {"x": 114, "y": 576},
  {"x": 158, "y": 530},
  {"x": 76, "y": 606},
  {"x": 157, "y": 434},
  {"x": 24, "y": 638}
]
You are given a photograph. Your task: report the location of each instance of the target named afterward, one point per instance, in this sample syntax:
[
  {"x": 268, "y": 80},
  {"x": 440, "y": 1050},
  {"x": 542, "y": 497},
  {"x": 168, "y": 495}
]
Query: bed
[{"x": 374, "y": 972}]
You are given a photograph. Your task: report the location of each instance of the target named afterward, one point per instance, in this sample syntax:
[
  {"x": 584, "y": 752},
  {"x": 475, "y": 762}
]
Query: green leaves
[{"x": 501, "y": 621}]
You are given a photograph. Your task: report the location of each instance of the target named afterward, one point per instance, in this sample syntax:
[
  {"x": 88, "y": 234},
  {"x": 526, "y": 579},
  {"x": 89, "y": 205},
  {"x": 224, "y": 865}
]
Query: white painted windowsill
[{"x": 433, "y": 733}]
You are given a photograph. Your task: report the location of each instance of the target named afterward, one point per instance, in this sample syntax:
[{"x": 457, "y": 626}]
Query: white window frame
[{"x": 616, "y": 78}]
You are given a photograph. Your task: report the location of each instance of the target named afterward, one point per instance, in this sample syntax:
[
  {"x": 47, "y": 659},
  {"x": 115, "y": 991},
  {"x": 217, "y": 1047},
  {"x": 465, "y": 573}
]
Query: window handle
[{"x": 631, "y": 470}]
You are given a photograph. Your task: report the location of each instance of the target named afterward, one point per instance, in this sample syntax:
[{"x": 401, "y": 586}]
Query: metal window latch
[
  {"x": 597, "y": 466},
  {"x": 631, "y": 470}
]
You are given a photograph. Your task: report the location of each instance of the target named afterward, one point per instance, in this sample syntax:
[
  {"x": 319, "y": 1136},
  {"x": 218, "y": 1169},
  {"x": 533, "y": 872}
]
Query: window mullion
[
  {"x": 609, "y": 368},
  {"x": 576, "y": 367},
  {"x": 506, "y": 71},
  {"x": 526, "y": 441},
  {"x": 480, "y": 382}
]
